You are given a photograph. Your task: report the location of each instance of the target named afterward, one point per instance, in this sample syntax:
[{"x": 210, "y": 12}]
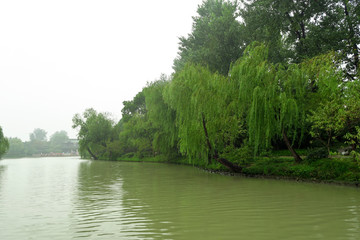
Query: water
[{"x": 69, "y": 198}]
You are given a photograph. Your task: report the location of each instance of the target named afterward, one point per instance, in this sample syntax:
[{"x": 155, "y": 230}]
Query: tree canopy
[
  {"x": 215, "y": 39},
  {"x": 298, "y": 30}
]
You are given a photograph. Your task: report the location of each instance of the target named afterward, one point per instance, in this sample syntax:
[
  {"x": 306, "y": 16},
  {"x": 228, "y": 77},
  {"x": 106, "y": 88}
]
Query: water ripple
[{"x": 71, "y": 198}]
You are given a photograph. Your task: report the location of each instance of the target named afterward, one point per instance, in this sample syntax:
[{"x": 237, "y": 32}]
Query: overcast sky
[{"x": 58, "y": 58}]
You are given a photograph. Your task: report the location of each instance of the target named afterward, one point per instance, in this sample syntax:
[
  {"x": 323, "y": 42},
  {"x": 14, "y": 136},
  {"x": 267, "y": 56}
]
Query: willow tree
[
  {"x": 275, "y": 100},
  {"x": 195, "y": 94},
  {"x": 162, "y": 117}
]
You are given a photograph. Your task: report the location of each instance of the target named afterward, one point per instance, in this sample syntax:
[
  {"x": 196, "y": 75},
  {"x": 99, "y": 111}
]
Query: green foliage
[{"x": 4, "y": 143}]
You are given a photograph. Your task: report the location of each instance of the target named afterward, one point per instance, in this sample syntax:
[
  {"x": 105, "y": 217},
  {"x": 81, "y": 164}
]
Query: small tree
[
  {"x": 4, "y": 143},
  {"x": 95, "y": 131}
]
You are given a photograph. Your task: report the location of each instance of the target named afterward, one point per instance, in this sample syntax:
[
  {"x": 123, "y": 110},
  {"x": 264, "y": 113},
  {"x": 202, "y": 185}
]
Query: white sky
[{"x": 59, "y": 57}]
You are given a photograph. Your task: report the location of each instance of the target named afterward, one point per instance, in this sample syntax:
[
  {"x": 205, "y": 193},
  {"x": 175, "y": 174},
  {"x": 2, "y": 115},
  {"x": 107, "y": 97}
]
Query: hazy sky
[{"x": 58, "y": 58}]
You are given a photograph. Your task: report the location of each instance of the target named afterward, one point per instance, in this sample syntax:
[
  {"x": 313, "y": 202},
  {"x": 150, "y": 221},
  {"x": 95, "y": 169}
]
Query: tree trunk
[
  {"x": 92, "y": 155},
  {"x": 293, "y": 152},
  {"x": 231, "y": 166},
  {"x": 352, "y": 41}
]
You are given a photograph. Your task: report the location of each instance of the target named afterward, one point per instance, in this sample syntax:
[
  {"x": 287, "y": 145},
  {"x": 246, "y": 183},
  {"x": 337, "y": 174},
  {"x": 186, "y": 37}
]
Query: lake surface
[{"x": 70, "y": 198}]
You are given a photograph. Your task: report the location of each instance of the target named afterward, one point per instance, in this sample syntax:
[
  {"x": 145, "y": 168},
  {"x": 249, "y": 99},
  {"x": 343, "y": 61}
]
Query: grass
[{"x": 337, "y": 170}]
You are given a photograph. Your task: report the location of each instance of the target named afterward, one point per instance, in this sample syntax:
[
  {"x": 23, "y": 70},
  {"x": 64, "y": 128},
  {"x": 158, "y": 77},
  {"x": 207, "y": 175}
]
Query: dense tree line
[
  {"x": 253, "y": 76},
  {"x": 59, "y": 143}
]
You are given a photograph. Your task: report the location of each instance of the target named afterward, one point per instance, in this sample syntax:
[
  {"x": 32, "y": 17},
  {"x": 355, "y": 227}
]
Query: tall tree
[
  {"x": 58, "y": 141},
  {"x": 38, "y": 135},
  {"x": 215, "y": 40}
]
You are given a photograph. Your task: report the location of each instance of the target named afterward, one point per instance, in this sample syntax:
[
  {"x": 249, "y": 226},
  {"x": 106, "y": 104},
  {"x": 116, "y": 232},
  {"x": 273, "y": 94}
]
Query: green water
[{"x": 69, "y": 198}]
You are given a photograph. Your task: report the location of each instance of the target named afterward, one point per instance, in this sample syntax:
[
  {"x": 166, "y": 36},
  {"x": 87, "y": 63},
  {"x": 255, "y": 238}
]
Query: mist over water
[{"x": 64, "y": 198}]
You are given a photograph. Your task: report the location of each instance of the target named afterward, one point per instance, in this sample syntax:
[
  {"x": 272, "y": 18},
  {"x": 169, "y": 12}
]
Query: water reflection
[
  {"x": 353, "y": 221},
  {"x": 2, "y": 170},
  {"x": 35, "y": 198},
  {"x": 186, "y": 203},
  {"x": 99, "y": 209}
]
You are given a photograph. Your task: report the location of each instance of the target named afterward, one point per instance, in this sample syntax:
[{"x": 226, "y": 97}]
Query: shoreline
[{"x": 355, "y": 184}]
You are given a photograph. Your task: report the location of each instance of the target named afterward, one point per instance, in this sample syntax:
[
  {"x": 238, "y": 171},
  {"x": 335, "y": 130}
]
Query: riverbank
[{"x": 340, "y": 171}]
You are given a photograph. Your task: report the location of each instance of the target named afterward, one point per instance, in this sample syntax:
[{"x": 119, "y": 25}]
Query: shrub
[
  {"x": 240, "y": 155},
  {"x": 332, "y": 168},
  {"x": 303, "y": 171},
  {"x": 316, "y": 153}
]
